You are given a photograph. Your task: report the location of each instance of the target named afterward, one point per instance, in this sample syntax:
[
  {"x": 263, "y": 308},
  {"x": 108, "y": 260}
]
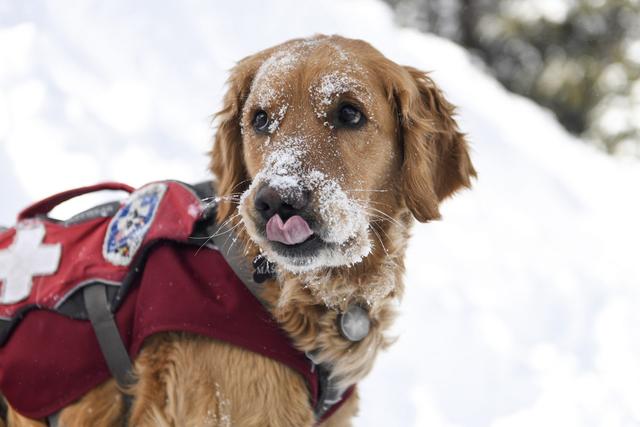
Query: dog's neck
[{"x": 307, "y": 305}]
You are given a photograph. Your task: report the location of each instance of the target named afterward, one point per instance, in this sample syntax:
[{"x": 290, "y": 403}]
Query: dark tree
[{"x": 580, "y": 58}]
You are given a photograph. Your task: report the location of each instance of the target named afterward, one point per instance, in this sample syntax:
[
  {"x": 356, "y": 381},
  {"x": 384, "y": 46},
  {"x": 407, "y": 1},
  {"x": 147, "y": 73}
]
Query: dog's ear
[
  {"x": 436, "y": 160},
  {"x": 227, "y": 161}
]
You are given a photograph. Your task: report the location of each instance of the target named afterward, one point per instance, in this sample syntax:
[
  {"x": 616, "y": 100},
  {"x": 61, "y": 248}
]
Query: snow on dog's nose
[{"x": 295, "y": 230}]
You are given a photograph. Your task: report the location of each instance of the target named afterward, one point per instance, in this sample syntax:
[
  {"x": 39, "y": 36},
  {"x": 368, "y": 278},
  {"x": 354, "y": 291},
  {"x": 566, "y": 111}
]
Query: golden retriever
[{"x": 325, "y": 151}]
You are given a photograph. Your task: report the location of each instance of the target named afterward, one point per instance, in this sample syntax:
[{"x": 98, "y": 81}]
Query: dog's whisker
[
  {"x": 375, "y": 212},
  {"x": 379, "y": 239},
  {"x": 233, "y": 242},
  {"x": 361, "y": 190},
  {"x": 245, "y": 249},
  {"x": 228, "y": 230},
  {"x": 378, "y": 220},
  {"x": 199, "y": 237},
  {"x": 209, "y": 201},
  {"x": 203, "y": 245},
  {"x": 369, "y": 202},
  {"x": 379, "y": 203},
  {"x": 216, "y": 233},
  {"x": 229, "y": 198},
  {"x": 384, "y": 232},
  {"x": 389, "y": 218},
  {"x": 239, "y": 184},
  {"x": 224, "y": 224},
  {"x": 229, "y": 233},
  {"x": 234, "y": 202},
  {"x": 217, "y": 201}
]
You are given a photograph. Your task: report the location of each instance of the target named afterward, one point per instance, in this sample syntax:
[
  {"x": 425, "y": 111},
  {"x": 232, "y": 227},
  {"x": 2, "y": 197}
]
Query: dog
[{"x": 325, "y": 153}]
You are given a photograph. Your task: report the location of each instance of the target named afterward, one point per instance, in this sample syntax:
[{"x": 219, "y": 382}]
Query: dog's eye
[
  {"x": 261, "y": 121},
  {"x": 349, "y": 116}
]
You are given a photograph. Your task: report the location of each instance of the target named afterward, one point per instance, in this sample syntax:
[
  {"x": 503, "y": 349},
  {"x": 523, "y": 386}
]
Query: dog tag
[
  {"x": 263, "y": 269},
  {"x": 354, "y": 324}
]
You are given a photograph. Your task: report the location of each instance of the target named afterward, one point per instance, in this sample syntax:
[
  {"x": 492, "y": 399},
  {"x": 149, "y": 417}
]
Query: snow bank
[{"x": 521, "y": 307}]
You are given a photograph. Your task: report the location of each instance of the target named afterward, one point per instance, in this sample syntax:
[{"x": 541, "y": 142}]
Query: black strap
[
  {"x": 53, "y": 420},
  {"x": 226, "y": 242},
  {"x": 329, "y": 393},
  {"x": 106, "y": 330},
  {"x": 109, "y": 339},
  {"x": 3, "y": 409}
]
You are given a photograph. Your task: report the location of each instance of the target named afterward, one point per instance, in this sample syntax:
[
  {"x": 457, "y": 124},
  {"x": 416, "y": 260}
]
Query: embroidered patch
[
  {"x": 27, "y": 257},
  {"x": 129, "y": 226}
]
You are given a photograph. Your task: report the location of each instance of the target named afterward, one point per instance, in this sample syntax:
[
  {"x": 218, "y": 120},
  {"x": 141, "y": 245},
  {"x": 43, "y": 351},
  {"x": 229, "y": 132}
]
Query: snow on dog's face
[
  {"x": 311, "y": 136},
  {"x": 297, "y": 210}
]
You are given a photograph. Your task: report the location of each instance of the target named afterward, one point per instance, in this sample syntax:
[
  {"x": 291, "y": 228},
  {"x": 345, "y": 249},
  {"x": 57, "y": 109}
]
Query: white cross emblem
[{"x": 25, "y": 258}]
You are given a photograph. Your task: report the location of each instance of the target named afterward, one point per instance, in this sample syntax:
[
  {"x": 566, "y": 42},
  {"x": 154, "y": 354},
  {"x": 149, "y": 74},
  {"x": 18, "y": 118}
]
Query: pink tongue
[{"x": 294, "y": 231}]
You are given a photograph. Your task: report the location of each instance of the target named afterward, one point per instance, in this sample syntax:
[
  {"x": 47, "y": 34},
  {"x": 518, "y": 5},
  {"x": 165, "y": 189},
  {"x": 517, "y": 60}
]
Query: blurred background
[
  {"x": 521, "y": 307},
  {"x": 579, "y": 58}
]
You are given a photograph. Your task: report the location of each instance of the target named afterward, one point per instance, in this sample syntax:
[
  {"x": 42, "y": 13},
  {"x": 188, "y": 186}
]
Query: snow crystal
[
  {"x": 277, "y": 65},
  {"x": 332, "y": 85},
  {"x": 275, "y": 121},
  {"x": 274, "y": 70},
  {"x": 343, "y": 56},
  {"x": 224, "y": 409}
]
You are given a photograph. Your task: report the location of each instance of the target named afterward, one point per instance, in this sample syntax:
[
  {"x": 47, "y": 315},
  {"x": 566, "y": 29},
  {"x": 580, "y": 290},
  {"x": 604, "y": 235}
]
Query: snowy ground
[{"x": 522, "y": 304}]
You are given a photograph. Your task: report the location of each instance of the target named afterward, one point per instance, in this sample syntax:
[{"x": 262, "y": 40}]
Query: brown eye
[
  {"x": 261, "y": 121},
  {"x": 349, "y": 116}
]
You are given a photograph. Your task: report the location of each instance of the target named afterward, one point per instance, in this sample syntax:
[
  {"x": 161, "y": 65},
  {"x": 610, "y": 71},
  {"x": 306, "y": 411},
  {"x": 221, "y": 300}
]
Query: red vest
[{"x": 159, "y": 280}]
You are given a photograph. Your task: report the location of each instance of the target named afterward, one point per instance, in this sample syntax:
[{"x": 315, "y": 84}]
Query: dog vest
[{"x": 149, "y": 259}]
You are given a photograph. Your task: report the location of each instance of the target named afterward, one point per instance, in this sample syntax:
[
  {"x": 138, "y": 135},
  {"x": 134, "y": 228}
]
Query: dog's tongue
[{"x": 294, "y": 231}]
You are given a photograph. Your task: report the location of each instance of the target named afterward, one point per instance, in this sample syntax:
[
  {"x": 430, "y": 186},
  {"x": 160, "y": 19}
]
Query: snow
[
  {"x": 334, "y": 84},
  {"x": 273, "y": 70},
  {"x": 342, "y": 221},
  {"x": 521, "y": 304},
  {"x": 275, "y": 121}
]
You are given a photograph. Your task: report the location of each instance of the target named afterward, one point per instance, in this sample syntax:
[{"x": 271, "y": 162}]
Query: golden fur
[{"x": 414, "y": 157}]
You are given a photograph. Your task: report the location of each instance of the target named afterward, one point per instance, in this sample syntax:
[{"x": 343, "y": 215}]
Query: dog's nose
[{"x": 269, "y": 202}]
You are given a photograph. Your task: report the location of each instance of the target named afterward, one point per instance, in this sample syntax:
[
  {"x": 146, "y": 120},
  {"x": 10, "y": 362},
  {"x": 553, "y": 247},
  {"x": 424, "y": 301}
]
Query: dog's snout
[{"x": 269, "y": 202}]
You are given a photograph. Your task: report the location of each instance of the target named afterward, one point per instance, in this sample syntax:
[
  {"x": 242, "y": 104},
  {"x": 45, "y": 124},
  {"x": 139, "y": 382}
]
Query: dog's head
[{"x": 321, "y": 139}]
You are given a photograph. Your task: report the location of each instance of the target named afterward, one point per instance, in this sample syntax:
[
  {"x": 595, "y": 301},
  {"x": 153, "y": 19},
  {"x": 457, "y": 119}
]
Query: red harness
[{"x": 158, "y": 280}]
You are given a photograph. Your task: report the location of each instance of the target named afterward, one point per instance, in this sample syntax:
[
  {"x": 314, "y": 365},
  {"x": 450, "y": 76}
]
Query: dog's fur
[{"x": 402, "y": 163}]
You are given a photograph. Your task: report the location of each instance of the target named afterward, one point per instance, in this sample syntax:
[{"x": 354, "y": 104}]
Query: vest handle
[{"x": 45, "y": 206}]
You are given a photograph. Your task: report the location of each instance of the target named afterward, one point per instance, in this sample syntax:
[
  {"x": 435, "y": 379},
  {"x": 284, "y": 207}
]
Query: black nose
[{"x": 269, "y": 202}]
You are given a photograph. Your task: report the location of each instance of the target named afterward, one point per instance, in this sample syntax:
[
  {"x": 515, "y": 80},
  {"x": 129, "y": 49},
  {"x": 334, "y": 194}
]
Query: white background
[{"x": 522, "y": 303}]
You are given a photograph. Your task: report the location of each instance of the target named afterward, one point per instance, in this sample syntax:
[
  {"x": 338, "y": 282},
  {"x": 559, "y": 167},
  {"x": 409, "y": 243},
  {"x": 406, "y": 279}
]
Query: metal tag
[
  {"x": 354, "y": 324},
  {"x": 263, "y": 269}
]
